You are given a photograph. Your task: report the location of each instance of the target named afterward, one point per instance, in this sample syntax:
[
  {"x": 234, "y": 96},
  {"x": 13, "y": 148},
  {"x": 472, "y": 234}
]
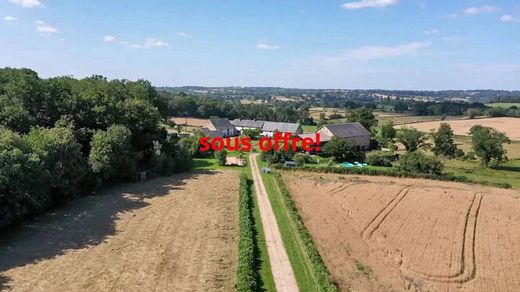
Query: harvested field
[
  {"x": 168, "y": 234},
  {"x": 510, "y": 126},
  {"x": 389, "y": 234},
  {"x": 191, "y": 122}
]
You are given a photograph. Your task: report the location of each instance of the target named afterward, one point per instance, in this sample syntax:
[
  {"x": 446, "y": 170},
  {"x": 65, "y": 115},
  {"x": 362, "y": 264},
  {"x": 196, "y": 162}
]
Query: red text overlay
[{"x": 285, "y": 141}]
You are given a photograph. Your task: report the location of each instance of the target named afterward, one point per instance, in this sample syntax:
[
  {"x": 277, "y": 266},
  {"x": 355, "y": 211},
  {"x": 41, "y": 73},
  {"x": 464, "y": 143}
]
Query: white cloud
[
  {"x": 267, "y": 46},
  {"x": 182, "y": 34},
  {"x": 431, "y": 31},
  {"x": 149, "y": 43},
  {"x": 27, "y": 3},
  {"x": 481, "y": 9},
  {"x": 369, "y": 3},
  {"x": 44, "y": 28},
  {"x": 509, "y": 18},
  {"x": 10, "y": 19},
  {"x": 369, "y": 53},
  {"x": 109, "y": 38}
]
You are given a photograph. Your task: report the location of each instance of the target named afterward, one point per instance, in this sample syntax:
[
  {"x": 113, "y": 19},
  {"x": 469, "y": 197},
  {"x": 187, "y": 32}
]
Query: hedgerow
[
  {"x": 245, "y": 277},
  {"x": 324, "y": 279},
  {"x": 393, "y": 172}
]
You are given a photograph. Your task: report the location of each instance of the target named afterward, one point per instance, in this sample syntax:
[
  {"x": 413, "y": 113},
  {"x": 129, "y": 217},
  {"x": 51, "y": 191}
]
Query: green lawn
[
  {"x": 507, "y": 173},
  {"x": 309, "y": 128},
  {"x": 301, "y": 264}
]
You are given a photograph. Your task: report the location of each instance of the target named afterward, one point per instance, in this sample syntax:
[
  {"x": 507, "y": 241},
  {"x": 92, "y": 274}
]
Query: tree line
[
  {"x": 180, "y": 104},
  {"x": 63, "y": 137}
]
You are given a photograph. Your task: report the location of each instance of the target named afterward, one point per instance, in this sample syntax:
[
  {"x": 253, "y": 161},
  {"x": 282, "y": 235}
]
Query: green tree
[
  {"x": 364, "y": 116},
  {"x": 412, "y": 139},
  {"x": 109, "y": 153},
  {"x": 443, "y": 141},
  {"x": 418, "y": 162},
  {"x": 22, "y": 179},
  {"x": 487, "y": 143},
  {"x": 387, "y": 134},
  {"x": 62, "y": 158},
  {"x": 342, "y": 150}
]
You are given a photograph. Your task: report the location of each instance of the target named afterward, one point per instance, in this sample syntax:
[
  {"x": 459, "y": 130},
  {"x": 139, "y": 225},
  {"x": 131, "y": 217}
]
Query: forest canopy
[{"x": 64, "y": 137}]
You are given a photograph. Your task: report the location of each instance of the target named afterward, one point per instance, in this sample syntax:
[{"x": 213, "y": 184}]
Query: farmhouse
[
  {"x": 269, "y": 128},
  {"x": 220, "y": 127},
  {"x": 353, "y": 131},
  {"x": 247, "y": 124}
]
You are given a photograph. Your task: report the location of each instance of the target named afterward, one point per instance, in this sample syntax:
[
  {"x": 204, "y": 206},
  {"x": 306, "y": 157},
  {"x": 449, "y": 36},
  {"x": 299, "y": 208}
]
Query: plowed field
[{"x": 382, "y": 234}]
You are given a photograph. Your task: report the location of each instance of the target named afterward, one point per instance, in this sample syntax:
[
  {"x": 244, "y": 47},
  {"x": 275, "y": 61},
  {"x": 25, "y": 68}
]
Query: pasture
[{"x": 393, "y": 234}]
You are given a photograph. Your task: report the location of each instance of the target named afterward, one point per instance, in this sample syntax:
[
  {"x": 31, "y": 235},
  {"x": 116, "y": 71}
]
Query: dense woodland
[
  {"x": 62, "y": 137},
  {"x": 182, "y": 105}
]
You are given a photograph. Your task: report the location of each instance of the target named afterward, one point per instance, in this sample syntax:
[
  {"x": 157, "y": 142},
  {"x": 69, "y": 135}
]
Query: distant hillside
[{"x": 267, "y": 93}]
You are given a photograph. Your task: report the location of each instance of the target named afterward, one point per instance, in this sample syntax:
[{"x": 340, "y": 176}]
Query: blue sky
[{"x": 391, "y": 44}]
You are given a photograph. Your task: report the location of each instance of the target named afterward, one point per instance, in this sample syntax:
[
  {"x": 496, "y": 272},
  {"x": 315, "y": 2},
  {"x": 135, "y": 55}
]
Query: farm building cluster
[{"x": 223, "y": 127}]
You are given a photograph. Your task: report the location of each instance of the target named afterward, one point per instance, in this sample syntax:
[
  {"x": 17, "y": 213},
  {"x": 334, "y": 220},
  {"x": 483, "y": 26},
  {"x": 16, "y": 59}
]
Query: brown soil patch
[
  {"x": 168, "y": 234},
  {"x": 510, "y": 126},
  {"x": 383, "y": 234},
  {"x": 192, "y": 122}
]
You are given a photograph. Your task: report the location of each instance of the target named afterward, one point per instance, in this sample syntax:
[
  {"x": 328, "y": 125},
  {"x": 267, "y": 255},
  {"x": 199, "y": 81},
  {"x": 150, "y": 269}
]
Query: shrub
[
  {"x": 342, "y": 150},
  {"x": 300, "y": 159},
  {"x": 221, "y": 157},
  {"x": 378, "y": 159},
  {"x": 418, "y": 162},
  {"x": 246, "y": 275},
  {"x": 459, "y": 153}
]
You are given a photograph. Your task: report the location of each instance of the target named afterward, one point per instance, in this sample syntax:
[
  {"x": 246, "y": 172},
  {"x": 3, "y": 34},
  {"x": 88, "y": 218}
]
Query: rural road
[{"x": 283, "y": 273}]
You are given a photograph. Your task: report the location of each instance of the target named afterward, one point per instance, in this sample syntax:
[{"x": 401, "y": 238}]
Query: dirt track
[
  {"x": 168, "y": 234},
  {"x": 283, "y": 273},
  {"x": 389, "y": 234}
]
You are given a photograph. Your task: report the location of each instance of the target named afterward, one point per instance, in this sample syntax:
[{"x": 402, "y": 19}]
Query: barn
[
  {"x": 352, "y": 131},
  {"x": 269, "y": 128}
]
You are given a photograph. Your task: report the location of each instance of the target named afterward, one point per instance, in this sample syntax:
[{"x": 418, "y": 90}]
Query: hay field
[
  {"x": 510, "y": 126},
  {"x": 169, "y": 234},
  {"x": 391, "y": 234}
]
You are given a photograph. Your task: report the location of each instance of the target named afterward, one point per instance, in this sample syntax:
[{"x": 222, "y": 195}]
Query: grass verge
[
  {"x": 265, "y": 281},
  {"x": 388, "y": 171},
  {"x": 310, "y": 271}
]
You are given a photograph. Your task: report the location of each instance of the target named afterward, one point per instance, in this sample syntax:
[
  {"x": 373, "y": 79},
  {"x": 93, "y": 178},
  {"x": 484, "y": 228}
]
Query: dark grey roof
[
  {"x": 349, "y": 130},
  {"x": 281, "y": 127},
  {"x": 247, "y": 123},
  {"x": 221, "y": 123}
]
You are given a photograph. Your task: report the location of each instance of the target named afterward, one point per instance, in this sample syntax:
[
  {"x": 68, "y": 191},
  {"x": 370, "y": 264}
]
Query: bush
[
  {"x": 459, "y": 153},
  {"x": 246, "y": 275},
  {"x": 418, "y": 162},
  {"x": 469, "y": 156},
  {"x": 300, "y": 159},
  {"x": 221, "y": 157},
  {"x": 378, "y": 159}
]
